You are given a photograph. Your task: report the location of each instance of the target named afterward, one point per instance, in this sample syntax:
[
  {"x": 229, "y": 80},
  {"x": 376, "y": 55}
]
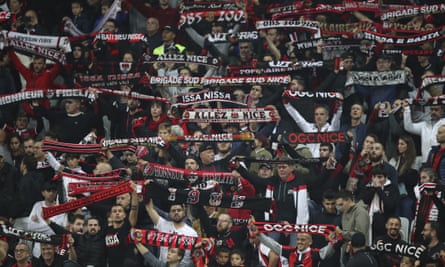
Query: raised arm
[{"x": 133, "y": 216}]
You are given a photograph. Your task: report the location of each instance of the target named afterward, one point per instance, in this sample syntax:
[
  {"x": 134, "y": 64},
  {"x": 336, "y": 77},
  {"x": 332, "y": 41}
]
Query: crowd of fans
[{"x": 379, "y": 184}]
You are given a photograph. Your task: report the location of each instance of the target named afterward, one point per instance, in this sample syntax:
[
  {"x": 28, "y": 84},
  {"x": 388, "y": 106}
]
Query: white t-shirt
[{"x": 167, "y": 227}]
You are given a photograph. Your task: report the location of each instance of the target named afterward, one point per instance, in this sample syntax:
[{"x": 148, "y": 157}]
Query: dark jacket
[
  {"x": 282, "y": 194},
  {"x": 362, "y": 258}
]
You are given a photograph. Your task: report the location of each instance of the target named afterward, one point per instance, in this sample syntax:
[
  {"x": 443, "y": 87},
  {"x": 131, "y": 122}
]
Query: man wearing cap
[
  {"x": 168, "y": 38},
  {"x": 361, "y": 257}
]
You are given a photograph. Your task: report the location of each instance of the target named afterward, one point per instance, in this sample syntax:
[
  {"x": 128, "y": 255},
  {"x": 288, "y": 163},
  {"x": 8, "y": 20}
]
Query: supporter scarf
[
  {"x": 111, "y": 78},
  {"x": 227, "y": 115},
  {"x": 296, "y": 66},
  {"x": 317, "y": 229},
  {"x": 134, "y": 95},
  {"x": 280, "y": 161},
  {"x": 4, "y": 15},
  {"x": 309, "y": 94},
  {"x": 409, "y": 52},
  {"x": 190, "y": 18},
  {"x": 10, "y": 231},
  {"x": 51, "y": 54},
  {"x": 44, "y": 94},
  {"x": 301, "y": 24},
  {"x": 398, "y": 248},
  {"x": 314, "y": 138},
  {"x": 413, "y": 10},
  {"x": 330, "y": 28},
  {"x": 220, "y": 81},
  {"x": 432, "y": 79},
  {"x": 75, "y": 189},
  {"x": 376, "y": 78},
  {"x": 185, "y": 59},
  {"x": 202, "y": 197},
  {"x": 233, "y": 37},
  {"x": 112, "y": 144},
  {"x": 75, "y": 204},
  {"x": 223, "y": 137},
  {"x": 432, "y": 101},
  {"x": 158, "y": 171},
  {"x": 202, "y": 6},
  {"x": 111, "y": 14},
  {"x": 400, "y": 40},
  {"x": 71, "y": 29},
  {"x": 294, "y": 9},
  {"x": 162, "y": 239},
  {"x": 113, "y": 175},
  {"x": 55, "y": 42},
  {"x": 403, "y": 28},
  {"x": 206, "y": 96},
  {"x": 115, "y": 38}
]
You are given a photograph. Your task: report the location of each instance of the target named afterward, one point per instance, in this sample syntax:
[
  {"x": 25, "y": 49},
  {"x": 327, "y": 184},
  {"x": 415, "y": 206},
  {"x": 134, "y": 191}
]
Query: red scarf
[{"x": 436, "y": 158}]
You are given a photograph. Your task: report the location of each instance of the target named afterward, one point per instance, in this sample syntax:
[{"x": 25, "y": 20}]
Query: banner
[
  {"x": 190, "y": 18},
  {"x": 78, "y": 203},
  {"x": 269, "y": 69},
  {"x": 202, "y": 197},
  {"x": 222, "y": 137},
  {"x": 228, "y": 115},
  {"x": 45, "y": 94},
  {"x": 51, "y": 54},
  {"x": 158, "y": 171},
  {"x": 376, "y": 78}
]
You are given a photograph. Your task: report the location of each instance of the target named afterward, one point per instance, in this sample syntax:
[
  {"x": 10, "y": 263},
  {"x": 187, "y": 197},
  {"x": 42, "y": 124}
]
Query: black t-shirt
[{"x": 118, "y": 248}]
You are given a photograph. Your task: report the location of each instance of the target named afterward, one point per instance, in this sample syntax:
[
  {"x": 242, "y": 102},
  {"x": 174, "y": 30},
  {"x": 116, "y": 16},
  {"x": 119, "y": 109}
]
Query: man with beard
[
  {"x": 116, "y": 238},
  {"x": 433, "y": 240},
  {"x": 376, "y": 157},
  {"x": 436, "y": 157},
  {"x": 176, "y": 225},
  {"x": 90, "y": 247},
  {"x": 385, "y": 258},
  {"x": 221, "y": 232}
]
